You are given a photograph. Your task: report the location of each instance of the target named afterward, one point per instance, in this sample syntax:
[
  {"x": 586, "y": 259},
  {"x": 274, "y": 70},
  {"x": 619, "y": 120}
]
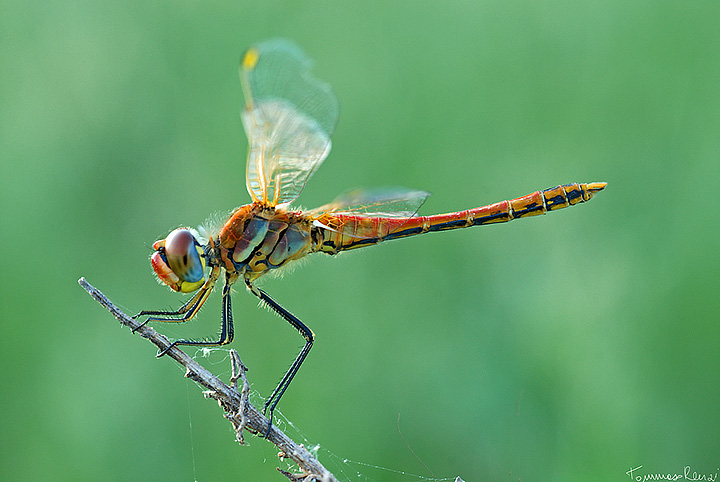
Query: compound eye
[{"x": 182, "y": 252}]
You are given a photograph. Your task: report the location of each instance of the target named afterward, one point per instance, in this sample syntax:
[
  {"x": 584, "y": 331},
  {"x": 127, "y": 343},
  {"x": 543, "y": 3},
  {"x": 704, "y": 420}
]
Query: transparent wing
[
  {"x": 369, "y": 214},
  {"x": 389, "y": 202},
  {"x": 288, "y": 118}
]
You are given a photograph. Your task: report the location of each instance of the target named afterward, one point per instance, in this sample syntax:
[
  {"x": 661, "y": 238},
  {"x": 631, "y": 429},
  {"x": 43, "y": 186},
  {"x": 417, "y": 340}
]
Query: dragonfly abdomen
[{"x": 359, "y": 231}]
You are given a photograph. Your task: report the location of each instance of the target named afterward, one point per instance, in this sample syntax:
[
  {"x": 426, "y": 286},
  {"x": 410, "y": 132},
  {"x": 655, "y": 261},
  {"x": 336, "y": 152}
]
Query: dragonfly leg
[
  {"x": 306, "y": 332},
  {"x": 226, "y": 325},
  {"x": 188, "y": 310}
]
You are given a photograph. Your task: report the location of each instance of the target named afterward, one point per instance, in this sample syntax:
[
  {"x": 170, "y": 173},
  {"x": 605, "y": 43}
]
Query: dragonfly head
[{"x": 179, "y": 261}]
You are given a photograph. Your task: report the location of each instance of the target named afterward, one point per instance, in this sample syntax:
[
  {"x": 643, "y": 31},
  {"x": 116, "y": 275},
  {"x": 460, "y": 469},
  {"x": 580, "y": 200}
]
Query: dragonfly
[{"x": 288, "y": 117}]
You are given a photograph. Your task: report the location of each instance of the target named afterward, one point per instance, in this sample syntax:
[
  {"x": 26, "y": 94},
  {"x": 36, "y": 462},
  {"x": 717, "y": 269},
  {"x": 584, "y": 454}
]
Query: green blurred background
[{"x": 569, "y": 347}]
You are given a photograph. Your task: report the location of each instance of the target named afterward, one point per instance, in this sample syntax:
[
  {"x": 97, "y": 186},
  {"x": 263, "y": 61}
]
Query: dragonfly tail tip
[{"x": 595, "y": 187}]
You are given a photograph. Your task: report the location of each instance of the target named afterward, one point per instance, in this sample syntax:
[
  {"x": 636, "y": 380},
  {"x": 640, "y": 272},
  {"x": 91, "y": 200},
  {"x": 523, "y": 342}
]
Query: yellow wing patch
[{"x": 250, "y": 59}]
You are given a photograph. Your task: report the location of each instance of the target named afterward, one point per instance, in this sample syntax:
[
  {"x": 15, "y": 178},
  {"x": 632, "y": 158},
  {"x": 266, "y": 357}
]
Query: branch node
[
  {"x": 300, "y": 477},
  {"x": 239, "y": 418}
]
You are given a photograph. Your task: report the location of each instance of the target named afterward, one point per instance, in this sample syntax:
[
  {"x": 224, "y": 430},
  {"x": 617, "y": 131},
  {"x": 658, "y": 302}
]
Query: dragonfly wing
[
  {"x": 384, "y": 202},
  {"x": 288, "y": 118},
  {"x": 394, "y": 202}
]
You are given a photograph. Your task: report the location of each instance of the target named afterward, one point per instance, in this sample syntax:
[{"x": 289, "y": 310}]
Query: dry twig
[{"x": 241, "y": 413}]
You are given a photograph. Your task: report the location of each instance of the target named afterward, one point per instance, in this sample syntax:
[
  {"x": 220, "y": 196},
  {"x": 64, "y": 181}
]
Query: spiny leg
[
  {"x": 188, "y": 310},
  {"x": 306, "y": 332},
  {"x": 226, "y": 324}
]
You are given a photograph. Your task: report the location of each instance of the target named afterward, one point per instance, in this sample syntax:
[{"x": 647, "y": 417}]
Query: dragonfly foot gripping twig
[{"x": 241, "y": 413}]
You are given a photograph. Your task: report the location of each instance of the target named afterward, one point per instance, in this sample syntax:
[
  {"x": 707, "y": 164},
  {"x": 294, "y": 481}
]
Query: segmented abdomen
[{"x": 359, "y": 231}]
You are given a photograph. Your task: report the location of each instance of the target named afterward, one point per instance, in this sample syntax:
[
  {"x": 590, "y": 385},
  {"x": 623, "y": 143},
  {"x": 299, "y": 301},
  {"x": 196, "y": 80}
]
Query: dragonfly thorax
[{"x": 257, "y": 239}]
